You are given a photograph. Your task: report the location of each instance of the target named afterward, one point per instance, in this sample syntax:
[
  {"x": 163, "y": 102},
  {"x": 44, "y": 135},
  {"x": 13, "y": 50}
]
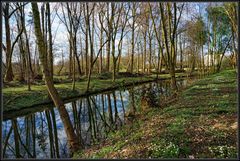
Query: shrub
[{"x": 106, "y": 75}]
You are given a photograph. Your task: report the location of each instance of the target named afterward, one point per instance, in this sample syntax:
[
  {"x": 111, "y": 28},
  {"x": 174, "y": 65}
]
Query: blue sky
[{"x": 60, "y": 35}]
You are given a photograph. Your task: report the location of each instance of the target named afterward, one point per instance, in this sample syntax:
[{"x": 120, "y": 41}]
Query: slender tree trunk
[
  {"x": 133, "y": 107},
  {"x": 122, "y": 102},
  {"x": 145, "y": 51},
  {"x": 114, "y": 59},
  {"x": 109, "y": 42},
  {"x": 108, "y": 55},
  {"x": 55, "y": 133},
  {"x": 181, "y": 52},
  {"x": 133, "y": 37},
  {"x": 50, "y": 52},
  {"x": 6, "y": 142},
  {"x": 101, "y": 53},
  {"x": 9, "y": 73},
  {"x": 22, "y": 58},
  {"x": 50, "y": 133},
  {"x": 74, "y": 47},
  {"x": 33, "y": 123},
  {"x": 115, "y": 106},
  {"x": 86, "y": 50},
  {"x": 110, "y": 109},
  {"x": 150, "y": 55},
  {"x": 16, "y": 138},
  {"x": 28, "y": 59},
  {"x": 73, "y": 143},
  {"x": 70, "y": 58}
]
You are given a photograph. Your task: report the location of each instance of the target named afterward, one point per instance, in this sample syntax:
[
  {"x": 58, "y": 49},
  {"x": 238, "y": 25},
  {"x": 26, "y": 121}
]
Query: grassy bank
[
  {"x": 17, "y": 97},
  {"x": 202, "y": 123}
]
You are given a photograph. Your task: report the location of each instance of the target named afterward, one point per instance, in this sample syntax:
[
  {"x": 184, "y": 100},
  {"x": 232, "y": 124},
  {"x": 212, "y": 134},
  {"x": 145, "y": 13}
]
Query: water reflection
[{"x": 41, "y": 134}]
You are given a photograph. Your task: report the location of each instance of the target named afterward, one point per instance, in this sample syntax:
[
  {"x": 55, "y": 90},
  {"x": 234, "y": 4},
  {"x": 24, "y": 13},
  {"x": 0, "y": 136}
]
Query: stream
[{"x": 40, "y": 133}]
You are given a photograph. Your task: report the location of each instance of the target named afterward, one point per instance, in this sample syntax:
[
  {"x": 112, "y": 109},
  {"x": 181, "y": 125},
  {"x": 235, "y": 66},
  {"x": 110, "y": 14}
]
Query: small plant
[
  {"x": 223, "y": 151},
  {"x": 104, "y": 151},
  {"x": 164, "y": 149},
  {"x": 106, "y": 75}
]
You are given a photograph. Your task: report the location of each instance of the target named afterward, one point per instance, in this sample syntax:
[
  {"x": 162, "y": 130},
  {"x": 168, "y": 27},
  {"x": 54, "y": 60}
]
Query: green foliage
[
  {"x": 216, "y": 14},
  {"x": 101, "y": 153},
  {"x": 177, "y": 126},
  {"x": 78, "y": 154},
  {"x": 137, "y": 136},
  {"x": 163, "y": 149},
  {"x": 220, "y": 24},
  {"x": 185, "y": 150},
  {"x": 119, "y": 145},
  {"x": 223, "y": 151},
  {"x": 197, "y": 33},
  {"x": 105, "y": 75}
]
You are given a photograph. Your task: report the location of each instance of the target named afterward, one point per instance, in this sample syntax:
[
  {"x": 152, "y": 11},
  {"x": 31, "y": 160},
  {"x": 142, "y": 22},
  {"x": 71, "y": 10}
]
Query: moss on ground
[{"x": 202, "y": 123}]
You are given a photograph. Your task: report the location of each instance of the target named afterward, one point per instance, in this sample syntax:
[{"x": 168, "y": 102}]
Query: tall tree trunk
[
  {"x": 50, "y": 133},
  {"x": 33, "y": 123},
  {"x": 101, "y": 53},
  {"x": 108, "y": 54},
  {"x": 16, "y": 138},
  {"x": 169, "y": 37},
  {"x": 114, "y": 59},
  {"x": 28, "y": 60},
  {"x": 74, "y": 47},
  {"x": 110, "y": 109},
  {"x": 115, "y": 106},
  {"x": 72, "y": 138},
  {"x": 150, "y": 55},
  {"x": 9, "y": 73},
  {"x": 119, "y": 59},
  {"x": 70, "y": 58},
  {"x": 145, "y": 51},
  {"x": 109, "y": 37},
  {"x": 181, "y": 52},
  {"x": 23, "y": 58},
  {"x": 55, "y": 132},
  {"x": 78, "y": 64},
  {"x": 133, "y": 37},
  {"x": 86, "y": 50},
  {"x": 50, "y": 52}
]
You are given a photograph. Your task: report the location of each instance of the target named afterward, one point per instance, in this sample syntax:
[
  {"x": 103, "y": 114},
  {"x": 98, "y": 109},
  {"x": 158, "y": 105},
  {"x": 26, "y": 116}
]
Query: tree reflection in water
[{"x": 41, "y": 134}]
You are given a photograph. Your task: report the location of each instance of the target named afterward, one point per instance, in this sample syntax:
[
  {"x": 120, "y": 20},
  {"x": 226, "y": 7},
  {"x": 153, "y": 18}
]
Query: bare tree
[{"x": 73, "y": 142}]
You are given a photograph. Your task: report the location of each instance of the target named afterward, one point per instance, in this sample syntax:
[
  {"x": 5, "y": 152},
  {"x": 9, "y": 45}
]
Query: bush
[
  {"x": 57, "y": 80},
  {"x": 105, "y": 75},
  {"x": 126, "y": 74},
  {"x": 38, "y": 77},
  {"x": 19, "y": 78}
]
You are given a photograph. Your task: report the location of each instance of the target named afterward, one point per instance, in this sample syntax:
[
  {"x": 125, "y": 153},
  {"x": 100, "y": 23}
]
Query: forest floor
[
  {"x": 17, "y": 97},
  {"x": 202, "y": 123}
]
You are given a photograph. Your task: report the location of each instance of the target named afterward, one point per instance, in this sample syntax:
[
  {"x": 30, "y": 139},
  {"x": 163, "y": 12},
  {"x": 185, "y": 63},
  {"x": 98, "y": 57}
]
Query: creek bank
[
  {"x": 18, "y": 98},
  {"x": 195, "y": 126}
]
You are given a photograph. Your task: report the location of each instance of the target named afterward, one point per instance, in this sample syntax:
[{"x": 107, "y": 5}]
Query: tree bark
[
  {"x": 50, "y": 51},
  {"x": 9, "y": 73},
  {"x": 132, "y": 43},
  {"x": 72, "y": 141}
]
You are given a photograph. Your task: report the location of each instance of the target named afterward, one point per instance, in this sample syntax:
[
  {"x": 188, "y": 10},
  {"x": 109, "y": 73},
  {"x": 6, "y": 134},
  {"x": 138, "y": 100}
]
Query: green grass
[
  {"x": 15, "y": 98},
  {"x": 202, "y": 123}
]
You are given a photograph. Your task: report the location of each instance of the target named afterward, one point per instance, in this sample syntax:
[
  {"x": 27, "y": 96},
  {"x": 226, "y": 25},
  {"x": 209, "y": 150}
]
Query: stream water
[{"x": 40, "y": 134}]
